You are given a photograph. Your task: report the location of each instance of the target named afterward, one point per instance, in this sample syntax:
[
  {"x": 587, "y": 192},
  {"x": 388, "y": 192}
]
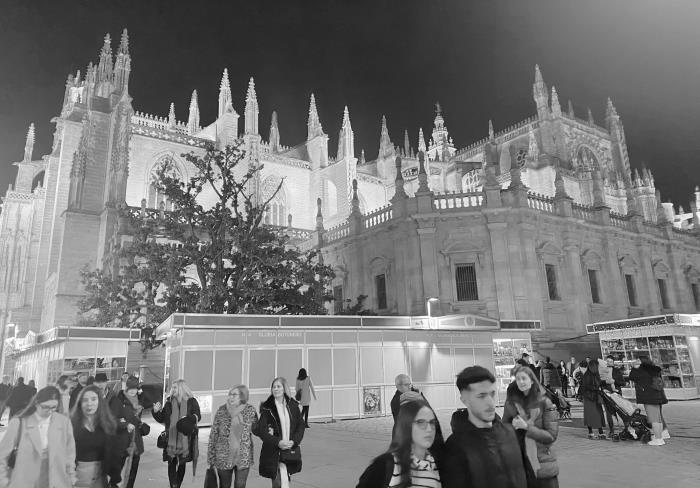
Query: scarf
[
  {"x": 178, "y": 443},
  {"x": 235, "y": 433},
  {"x": 530, "y": 444},
  {"x": 283, "y": 414}
]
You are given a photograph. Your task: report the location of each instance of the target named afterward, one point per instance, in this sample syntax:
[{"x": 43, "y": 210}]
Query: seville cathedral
[{"x": 547, "y": 220}]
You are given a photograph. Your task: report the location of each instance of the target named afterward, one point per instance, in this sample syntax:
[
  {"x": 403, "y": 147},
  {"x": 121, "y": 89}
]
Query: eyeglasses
[
  {"x": 423, "y": 424},
  {"x": 46, "y": 408},
  {"x": 235, "y": 393}
]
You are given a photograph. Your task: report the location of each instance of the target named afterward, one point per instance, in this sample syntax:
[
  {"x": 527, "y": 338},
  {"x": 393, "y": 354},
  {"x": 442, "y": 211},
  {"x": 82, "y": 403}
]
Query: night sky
[{"x": 378, "y": 57}]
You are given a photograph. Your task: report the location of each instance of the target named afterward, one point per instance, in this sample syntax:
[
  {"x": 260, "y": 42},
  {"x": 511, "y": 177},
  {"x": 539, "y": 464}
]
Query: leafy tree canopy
[{"x": 213, "y": 257}]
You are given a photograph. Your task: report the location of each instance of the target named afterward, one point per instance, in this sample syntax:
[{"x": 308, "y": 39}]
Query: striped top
[{"x": 424, "y": 472}]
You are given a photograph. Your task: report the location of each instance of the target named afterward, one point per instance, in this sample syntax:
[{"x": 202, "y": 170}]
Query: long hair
[
  {"x": 61, "y": 382},
  {"x": 285, "y": 386},
  {"x": 302, "y": 374},
  {"x": 403, "y": 438},
  {"x": 43, "y": 395},
  {"x": 103, "y": 416},
  {"x": 181, "y": 392},
  {"x": 536, "y": 391}
]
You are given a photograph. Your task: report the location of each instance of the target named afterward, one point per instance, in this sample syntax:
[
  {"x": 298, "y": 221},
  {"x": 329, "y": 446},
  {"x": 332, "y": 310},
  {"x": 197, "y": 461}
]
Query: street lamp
[{"x": 431, "y": 305}]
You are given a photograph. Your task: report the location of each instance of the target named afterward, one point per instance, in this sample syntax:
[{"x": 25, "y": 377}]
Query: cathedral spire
[
  {"x": 122, "y": 66},
  {"x": 274, "y": 133},
  {"x": 252, "y": 110},
  {"x": 422, "y": 174},
  {"x": 540, "y": 94},
  {"x": 313, "y": 124},
  {"x": 225, "y": 103},
  {"x": 172, "y": 122},
  {"x": 193, "y": 118},
  {"x": 421, "y": 141},
  {"x": 556, "y": 108},
  {"x": 104, "y": 69},
  {"x": 406, "y": 144},
  {"x": 571, "y": 109},
  {"x": 492, "y": 135},
  {"x": 610, "y": 110},
  {"x": 386, "y": 147},
  {"x": 346, "y": 138},
  {"x": 399, "y": 191},
  {"x": 591, "y": 121},
  {"x": 533, "y": 150},
  {"x": 29, "y": 144}
]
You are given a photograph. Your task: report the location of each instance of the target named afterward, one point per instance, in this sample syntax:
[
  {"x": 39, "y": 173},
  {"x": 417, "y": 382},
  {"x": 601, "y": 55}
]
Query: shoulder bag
[
  {"x": 292, "y": 455},
  {"x": 162, "y": 441},
  {"x": 12, "y": 457}
]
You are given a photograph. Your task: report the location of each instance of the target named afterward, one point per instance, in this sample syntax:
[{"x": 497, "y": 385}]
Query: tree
[
  {"x": 213, "y": 257},
  {"x": 358, "y": 308}
]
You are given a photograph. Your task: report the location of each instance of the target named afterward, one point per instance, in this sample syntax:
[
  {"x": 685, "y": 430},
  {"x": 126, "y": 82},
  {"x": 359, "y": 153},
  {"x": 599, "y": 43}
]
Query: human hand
[
  {"x": 157, "y": 407},
  {"x": 130, "y": 428},
  {"x": 519, "y": 423}
]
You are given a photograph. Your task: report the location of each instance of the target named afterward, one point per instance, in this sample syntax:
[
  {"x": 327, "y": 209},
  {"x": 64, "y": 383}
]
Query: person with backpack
[{"x": 649, "y": 388}]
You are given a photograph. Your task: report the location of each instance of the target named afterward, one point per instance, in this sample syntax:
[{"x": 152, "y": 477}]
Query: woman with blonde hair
[
  {"x": 230, "y": 449},
  {"x": 45, "y": 449},
  {"x": 536, "y": 423},
  {"x": 281, "y": 429},
  {"x": 180, "y": 415}
]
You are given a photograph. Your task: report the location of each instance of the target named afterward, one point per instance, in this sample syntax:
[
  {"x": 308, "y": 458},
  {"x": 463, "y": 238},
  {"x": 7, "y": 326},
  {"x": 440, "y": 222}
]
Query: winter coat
[
  {"x": 648, "y": 385},
  {"x": 5, "y": 391},
  {"x": 219, "y": 450},
  {"x": 306, "y": 387},
  {"x": 549, "y": 376},
  {"x": 470, "y": 456},
  {"x": 543, "y": 429},
  {"x": 125, "y": 414},
  {"x": 74, "y": 395},
  {"x": 618, "y": 377},
  {"x": 590, "y": 387},
  {"x": 270, "y": 431},
  {"x": 164, "y": 417},
  {"x": 28, "y": 461},
  {"x": 20, "y": 397}
]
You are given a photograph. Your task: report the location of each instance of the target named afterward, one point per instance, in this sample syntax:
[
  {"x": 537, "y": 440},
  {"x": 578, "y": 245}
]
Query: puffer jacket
[
  {"x": 549, "y": 376},
  {"x": 648, "y": 385},
  {"x": 543, "y": 428}
]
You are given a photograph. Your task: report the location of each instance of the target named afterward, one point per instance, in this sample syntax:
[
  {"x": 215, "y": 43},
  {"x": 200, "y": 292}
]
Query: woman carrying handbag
[{"x": 281, "y": 429}]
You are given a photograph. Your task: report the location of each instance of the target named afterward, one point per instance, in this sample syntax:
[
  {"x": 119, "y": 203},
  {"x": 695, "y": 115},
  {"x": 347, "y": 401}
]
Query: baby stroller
[
  {"x": 562, "y": 404},
  {"x": 636, "y": 425}
]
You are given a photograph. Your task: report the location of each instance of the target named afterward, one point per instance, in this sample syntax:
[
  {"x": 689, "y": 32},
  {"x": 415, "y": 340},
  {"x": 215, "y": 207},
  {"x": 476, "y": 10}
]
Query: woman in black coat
[
  {"x": 593, "y": 416},
  {"x": 281, "y": 429},
  {"x": 180, "y": 415},
  {"x": 649, "y": 387},
  {"x": 127, "y": 410}
]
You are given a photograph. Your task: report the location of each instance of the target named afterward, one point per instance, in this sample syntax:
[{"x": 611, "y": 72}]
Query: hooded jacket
[
  {"x": 483, "y": 457},
  {"x": 270, "y": 431},
  {"x": 549, "y": 376},
  {"x": 648, "y": 385}
]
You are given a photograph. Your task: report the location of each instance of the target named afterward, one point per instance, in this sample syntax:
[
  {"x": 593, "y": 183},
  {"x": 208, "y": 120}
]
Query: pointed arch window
[
  {"x": 276, "y": 212},
  {"x": 155, "y": 197}
]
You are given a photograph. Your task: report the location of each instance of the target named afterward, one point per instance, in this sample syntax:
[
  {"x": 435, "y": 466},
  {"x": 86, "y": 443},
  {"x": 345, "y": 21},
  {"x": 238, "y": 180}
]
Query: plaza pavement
[{"x": 335, "y": 454}]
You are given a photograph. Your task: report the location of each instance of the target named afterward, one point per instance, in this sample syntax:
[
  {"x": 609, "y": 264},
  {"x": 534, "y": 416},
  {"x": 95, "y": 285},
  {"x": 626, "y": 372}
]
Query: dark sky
[{"x": 378, "y": 57}]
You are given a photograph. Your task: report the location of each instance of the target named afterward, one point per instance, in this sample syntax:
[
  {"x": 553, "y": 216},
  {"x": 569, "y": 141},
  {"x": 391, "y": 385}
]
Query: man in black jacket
[
  {"x": 403, "y": 384},
  {"x": 20, "y": 397},
  {"x": 82, "y": 383},
  {"x": 482, "y": 452}
]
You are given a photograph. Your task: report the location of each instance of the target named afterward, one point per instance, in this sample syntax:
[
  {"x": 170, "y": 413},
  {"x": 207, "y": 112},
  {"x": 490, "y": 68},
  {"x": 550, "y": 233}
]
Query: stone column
[
  {"x": 498, "y": 233},
  {"x": 577, "y": 283},
  {"x": 428, "y": 259}
]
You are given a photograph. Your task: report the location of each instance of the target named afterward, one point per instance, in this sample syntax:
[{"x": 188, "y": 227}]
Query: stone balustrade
[
  {"x": 621, "y": 221},
  {"x": 377, "y": 217},
  {"x": 449, "y": 201},
  {"x": 583, "y": 212},
  {"x": 539, "y": 202},
  {"x": 337, "y": 233}
]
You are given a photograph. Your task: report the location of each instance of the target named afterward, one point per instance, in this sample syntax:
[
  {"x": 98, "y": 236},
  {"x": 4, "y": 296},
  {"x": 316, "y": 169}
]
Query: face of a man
[
  {"x": 480, "y": 400},
  {"x": 403, "y": 384},
  {"x": 82, "y": 379},
  {"x": 125, "y": 377},
  {"x": 573, "y": 360},
  {"x": 609, "y": 362}
]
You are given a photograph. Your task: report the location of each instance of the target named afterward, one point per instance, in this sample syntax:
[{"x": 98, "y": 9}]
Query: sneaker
[
  {"x": 665, "y": 434},
  {"x": 656, "y": 442},
  {"x": 601, "y": 437},
  {"x": 591, "y": 436}
]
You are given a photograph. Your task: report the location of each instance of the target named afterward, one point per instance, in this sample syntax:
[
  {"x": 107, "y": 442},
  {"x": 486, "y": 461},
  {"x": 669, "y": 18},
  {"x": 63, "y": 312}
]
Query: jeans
[
  {"x": 227, "y": 475},
  {"x": 176, "y": 471}
]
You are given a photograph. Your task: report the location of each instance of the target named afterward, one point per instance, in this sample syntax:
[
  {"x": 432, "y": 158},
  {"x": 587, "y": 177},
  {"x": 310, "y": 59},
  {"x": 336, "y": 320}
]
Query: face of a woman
[
  {"x": 523, "y": 381},
  {"x": 423, "y": 432},
  {"x": 132, "y": 392},
  {"x": 234, "y": 398},
  {"x": 45, "y": 409},
  {"x": 277, "y": 389},
  {"x": 89, "y": 403}
]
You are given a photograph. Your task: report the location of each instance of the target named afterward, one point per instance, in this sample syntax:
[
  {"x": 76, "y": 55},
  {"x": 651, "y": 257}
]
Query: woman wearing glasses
[
  {"x": 230, "y": 449},
  {"x": 413, "y": 459},
  {"x": 45, "y": 446}
]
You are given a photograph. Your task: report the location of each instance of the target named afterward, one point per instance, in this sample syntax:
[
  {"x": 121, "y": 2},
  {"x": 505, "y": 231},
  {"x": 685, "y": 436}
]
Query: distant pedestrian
[
  {"x": 127, "y": 411},
  {"x": 416, "y": 452},
  {"x": 536, "y": 424},
  {"x": 578, "y": 377},
  {"x": 101, "y": 383},
  {"x": 617, "y": 374},
  {"x": 32, "y": 386},
  {"x": 180, "y": 415},
  {"x": 82, "y": 383},
  {"x": 5, "y": 390},
  {"x": 592, "y": 402},
  {"x": 281, "y": 429},
  {"x": 20, "y": 397},
  {"x": 564, "y": 378},
  {"x": 549, "y": 376},
  {"x": 45, "y": 454},
  {"x": 63, "y": 385},
  {"x": 94, "y": 431},
  {"x": 649, "y": 388},
  {"x": 403, "y": 384},
  {"x": 230, "y": 450},
  {"x": 482, "y": 451},
  {"x": 304, "y": 391}
]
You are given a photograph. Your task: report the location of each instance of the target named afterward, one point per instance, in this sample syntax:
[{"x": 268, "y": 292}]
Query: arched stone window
[
  {"x": 593, "y": 271},
  {"x": 628, "y": 271},
  {"x": 16, "y": 271},
  {"x": 38, "y": 180},
  {"x": 155, "y": 197},
  {"x": 585, "y": 158},
  {"x": 663, "y": 283},
  {"x": 5, "y": 269},
  {"x": 277, "y": 209}
]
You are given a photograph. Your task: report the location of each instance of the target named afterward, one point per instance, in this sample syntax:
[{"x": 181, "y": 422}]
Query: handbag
[
  {"x": 297, "y": 395},
  {"x": 12, "y": 457},
  {"x": 145, "y": 429},
  {"x": 162, "y": 442},
  {"x": 292, "y": 455},
  {"x": 210, "y": 479}
]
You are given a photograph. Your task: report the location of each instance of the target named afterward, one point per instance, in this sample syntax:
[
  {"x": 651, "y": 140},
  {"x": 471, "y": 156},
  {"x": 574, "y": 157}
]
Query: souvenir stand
[{"x": 671, "y": 341}]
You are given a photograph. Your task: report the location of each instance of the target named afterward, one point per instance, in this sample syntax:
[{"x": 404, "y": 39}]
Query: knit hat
[
  {"x": 101, "y": 378},
  {"x": 132, "y": 383}
]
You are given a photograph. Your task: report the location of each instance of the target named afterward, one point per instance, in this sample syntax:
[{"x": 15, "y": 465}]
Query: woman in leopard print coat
[{"x": 230, "y": 449}]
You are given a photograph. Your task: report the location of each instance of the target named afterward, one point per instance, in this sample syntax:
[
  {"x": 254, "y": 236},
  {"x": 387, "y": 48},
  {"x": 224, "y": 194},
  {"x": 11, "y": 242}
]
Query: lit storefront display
[
  {"x": 46, "y": 356},
  {"x": 352, "y": 360},
  {"x": 671, "y": 341}
]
